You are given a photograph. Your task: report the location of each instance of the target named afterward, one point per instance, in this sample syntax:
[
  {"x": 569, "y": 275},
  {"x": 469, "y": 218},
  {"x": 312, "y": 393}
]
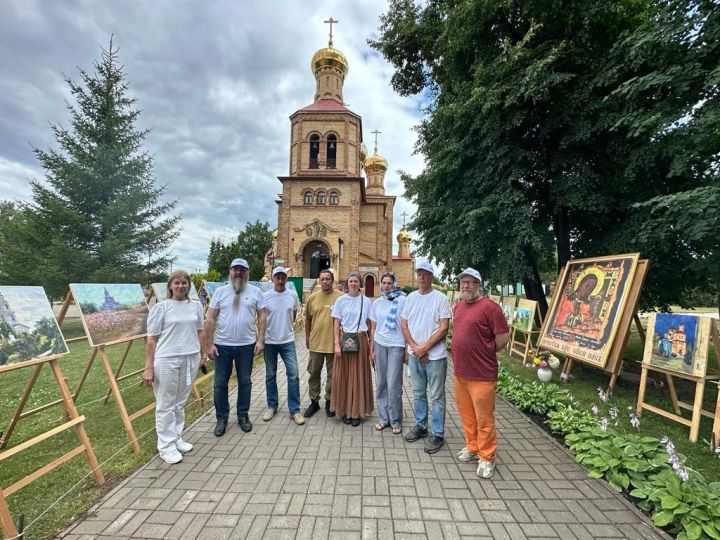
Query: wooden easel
[
  {"x": 522, "y": 348},
  {"x": 74, "y": 421},
  {"x": 613, "y": 365},
  {"x": 715, "y": 436},
  {"x": 697, "y": 411},
  {"x": 508, "y": 347}
]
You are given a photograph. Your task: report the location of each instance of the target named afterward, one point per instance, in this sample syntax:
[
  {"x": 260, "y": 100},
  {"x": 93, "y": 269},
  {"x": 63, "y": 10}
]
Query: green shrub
[{"x": 567, "y": 419}]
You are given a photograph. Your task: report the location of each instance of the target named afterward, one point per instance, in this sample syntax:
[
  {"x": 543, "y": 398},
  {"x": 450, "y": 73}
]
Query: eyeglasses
[{"x": 469, "y": 283}]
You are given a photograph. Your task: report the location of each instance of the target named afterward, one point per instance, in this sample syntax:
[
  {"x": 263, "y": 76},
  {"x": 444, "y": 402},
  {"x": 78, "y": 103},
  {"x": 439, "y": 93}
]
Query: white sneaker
[
  {"x": 171, "y": 456},
  {"x": 485, "y": 468},
  {"x": 182, "y": 446},
  {"x": 465, "y": 455},
  {"x": 268, "y": 414},
  {"x": 298, "y": 418}
]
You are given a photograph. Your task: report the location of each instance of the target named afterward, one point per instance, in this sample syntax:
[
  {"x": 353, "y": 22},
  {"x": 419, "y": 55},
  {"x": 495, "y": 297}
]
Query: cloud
[{"x": 216, "y": 83}]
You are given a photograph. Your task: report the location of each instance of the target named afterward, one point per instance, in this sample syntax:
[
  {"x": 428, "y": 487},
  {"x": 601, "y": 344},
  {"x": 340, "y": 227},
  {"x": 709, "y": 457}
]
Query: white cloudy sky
[{"x": 216, "y": 82}]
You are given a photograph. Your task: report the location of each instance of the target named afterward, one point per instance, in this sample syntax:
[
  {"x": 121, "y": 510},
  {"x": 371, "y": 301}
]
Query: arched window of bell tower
[
  {"x": 331, "y": 151},
  {"x": 314, "y": 150}
]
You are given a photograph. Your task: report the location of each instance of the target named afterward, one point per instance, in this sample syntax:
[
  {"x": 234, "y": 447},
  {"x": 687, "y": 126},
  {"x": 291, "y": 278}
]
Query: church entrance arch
[
  {"x": 370, "y": 286},
  {"x": 316, "y": 256}
]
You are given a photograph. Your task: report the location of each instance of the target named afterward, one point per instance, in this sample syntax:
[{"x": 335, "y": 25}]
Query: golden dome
[
  {"x": 376, "y": 163},
  {"x": 329, "y": 56},
  {"x": 403, "y": 236},
  {"x": 363, "y": 153}
]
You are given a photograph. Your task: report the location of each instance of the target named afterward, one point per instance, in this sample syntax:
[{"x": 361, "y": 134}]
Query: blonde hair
[{"x": 179, "y": 274}]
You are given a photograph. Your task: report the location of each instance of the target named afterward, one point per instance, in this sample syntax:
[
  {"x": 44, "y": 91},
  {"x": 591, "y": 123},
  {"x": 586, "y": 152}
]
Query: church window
[
  {"x": 334, "y": 197},
  {"x": 321, "y": 197},
  {"x": 308, "y": 197},
  {"x": 331, "y": 151},
  {"x": 314, "y": 151}
]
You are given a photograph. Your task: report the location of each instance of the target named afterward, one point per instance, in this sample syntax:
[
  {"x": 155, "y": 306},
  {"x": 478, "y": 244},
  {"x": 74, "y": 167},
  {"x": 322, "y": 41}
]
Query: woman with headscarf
[
  {"x": 352, "y": 395},
  {"x": 387, "y": 353}
]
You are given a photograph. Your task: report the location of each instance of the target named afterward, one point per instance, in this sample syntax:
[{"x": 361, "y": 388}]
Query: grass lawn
[
  {"x": 586, "y": 380},
  {"x": 103, "y": 426}
]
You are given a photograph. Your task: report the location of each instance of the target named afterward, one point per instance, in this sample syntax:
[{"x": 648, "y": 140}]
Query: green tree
[
  {"x": 252, "y": 244},
  {"x": 98, "y": 216},
  {"x": 532, "y": 154}
]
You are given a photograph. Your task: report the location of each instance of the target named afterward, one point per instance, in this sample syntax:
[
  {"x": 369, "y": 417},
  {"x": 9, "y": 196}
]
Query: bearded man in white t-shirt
[
  {"x": 280, "y": 305},
  {"x": 424, "y": 322},
  {"x": 233, "y": 336}
]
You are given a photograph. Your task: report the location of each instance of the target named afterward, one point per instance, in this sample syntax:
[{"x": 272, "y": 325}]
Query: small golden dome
[
  {"x": 403, "y": 236},
  {"x": 363, "y": 153},
  {"x": 376, "y": 163},
  {"x": 264, "y": 279},
  {"x": 329, "y": 56}
]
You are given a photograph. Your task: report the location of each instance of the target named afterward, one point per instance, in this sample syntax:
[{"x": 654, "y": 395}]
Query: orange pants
[{"x": 475, "y": 401}]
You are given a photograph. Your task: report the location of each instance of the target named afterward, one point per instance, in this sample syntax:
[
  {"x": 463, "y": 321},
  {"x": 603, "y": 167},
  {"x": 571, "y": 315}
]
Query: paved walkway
[{"x": 326, "y": 480}]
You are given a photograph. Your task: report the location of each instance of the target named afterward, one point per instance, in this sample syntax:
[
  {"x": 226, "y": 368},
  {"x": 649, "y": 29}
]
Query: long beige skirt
[{"x": 352, "y": 388}]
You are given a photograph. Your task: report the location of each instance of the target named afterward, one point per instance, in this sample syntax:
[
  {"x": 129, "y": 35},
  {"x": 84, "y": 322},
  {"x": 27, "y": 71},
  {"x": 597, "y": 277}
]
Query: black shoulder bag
[{"x": 351, "y": 340}]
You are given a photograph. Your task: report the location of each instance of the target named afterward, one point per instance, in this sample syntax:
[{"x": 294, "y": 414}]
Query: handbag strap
[{"x": 357, "y": 328}]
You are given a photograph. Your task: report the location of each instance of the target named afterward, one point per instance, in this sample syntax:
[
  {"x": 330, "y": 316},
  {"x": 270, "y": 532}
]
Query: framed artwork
[
  {"x": 210, "y": 287},
  {"x": 28, "y": 329},
  {"x": 524, "y": 315},
  {"x": 160, "y": 291},
  {"x": 588, "y": 303},
  {"x": 267, "y": 285},
  {"x": 111, "y": 312},
  {"x": 678, "y": 342},
  {"x": 508, "y": 307},
  {"x": 496, "y": 298}
]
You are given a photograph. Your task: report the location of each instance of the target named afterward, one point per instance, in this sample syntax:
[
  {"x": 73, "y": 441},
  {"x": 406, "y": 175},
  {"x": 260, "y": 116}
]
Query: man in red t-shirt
[{"x": 479, "y": 331}]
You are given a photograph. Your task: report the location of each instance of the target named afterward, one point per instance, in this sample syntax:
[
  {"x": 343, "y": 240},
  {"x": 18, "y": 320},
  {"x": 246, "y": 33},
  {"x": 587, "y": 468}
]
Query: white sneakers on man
[
  {"x": 298, "y": 418},
  {"x": 485, "y": 468},
  {"x": 171, "y": 456},
  {"x": 268, "y": 414},
  {"x": 466, "y": 455},
  {"x": 183, "y": 447}
]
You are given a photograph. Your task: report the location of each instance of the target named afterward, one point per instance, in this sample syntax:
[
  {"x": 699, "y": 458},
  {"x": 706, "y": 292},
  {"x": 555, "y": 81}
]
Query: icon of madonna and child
[{"x": 587, "y": 307}]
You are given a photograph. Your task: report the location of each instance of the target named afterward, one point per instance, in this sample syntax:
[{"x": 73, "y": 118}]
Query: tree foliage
[
  {"x": 549, "y": 131},
  {"x": 251, "y": 244},
  {"x": 98, "y": 216}
]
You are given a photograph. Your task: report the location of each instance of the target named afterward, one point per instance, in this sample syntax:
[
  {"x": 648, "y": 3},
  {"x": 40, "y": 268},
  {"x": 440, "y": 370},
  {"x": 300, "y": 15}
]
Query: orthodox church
[{"x": 333, "y": 211}]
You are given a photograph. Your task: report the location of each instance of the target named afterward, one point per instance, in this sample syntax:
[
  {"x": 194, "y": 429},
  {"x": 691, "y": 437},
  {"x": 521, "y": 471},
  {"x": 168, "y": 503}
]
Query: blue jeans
[
  {"x": 289, "y": 358},
  {"x": 242, "y": 355},
  {"x": 424, "y": 377}
]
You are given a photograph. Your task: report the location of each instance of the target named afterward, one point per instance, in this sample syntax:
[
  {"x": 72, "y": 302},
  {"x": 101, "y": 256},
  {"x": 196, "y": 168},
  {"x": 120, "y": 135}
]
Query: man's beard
[
  {"x": 469, "y": 296},
  {"x": 238, "y": 284}
]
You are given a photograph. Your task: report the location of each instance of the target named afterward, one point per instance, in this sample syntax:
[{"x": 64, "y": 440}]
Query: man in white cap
[
  {"x": 280, "y": 305},
  {"x": 479, "y": 331},
  {"x": 239, "y": 336},
  {"x": 424, "y": 323}
]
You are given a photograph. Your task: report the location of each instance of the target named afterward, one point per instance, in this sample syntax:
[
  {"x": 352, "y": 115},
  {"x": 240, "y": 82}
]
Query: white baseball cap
[
  {"x": 424, "y": 265},
  {"x": 470, "y": 272},
  {"x": 279, "y": 270},
  {"x": 240, "y": 262}
]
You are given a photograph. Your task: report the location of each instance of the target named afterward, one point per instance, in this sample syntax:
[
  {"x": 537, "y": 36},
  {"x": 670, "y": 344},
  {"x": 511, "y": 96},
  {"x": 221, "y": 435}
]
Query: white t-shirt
[
  {"x": 177, "y": 323},
  {"x": 423, "y": 313},
  {"x": 347, "y": 309},
  {"x": 236, "y": 327},
  {"x": 379, "y": 313},
  {"x": 279, "y": 309}
]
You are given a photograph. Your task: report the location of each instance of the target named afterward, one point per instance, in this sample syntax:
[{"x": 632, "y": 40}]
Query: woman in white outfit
[
  {"x": 387, "y": 353},
  {"x": 172, "y": 357}
]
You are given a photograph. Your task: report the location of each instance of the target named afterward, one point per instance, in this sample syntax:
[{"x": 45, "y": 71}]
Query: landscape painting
[
  {"x": 678, "y": 342},
  {"x": 28, "y": 329},
  {"x": 588, "y": 304},
  {"x": 111, "y": 312},
  {"x": 210, "y": 287},
  {"x": 159, "y": 291},
  {"x": 524, "y": 316},
  {"x": 508, "y": 307}
]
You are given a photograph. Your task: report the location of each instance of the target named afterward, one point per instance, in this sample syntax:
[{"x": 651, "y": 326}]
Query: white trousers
[{"x": 173, "y": 378}]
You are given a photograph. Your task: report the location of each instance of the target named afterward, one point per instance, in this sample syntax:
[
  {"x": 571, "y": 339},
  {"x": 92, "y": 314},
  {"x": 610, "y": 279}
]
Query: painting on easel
[
  {"x": 678, "y": 342},
  {"x": 524, "y": 315},
  {"x": 587, "y": 307},
  {"x": 508, "y": 307},
  {"x": 28, "y": 329},
  {"x": 111, "y": 312}
]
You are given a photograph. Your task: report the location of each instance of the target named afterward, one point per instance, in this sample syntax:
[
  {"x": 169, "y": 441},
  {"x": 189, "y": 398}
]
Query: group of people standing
[{"x": 346, "y": 334}]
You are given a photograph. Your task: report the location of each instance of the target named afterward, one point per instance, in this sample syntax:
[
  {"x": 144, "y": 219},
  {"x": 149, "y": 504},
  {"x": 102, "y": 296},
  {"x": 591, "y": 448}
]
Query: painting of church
[
  {"x": 111, "y": 312},
  {"x": 333, "y": 211},
  {"x": 28, "y": 329},
  {"x": 678, "y": 342}
]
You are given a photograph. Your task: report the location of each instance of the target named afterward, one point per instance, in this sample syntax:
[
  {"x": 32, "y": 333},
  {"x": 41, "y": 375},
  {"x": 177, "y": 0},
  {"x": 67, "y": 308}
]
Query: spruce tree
[{"x": 98, "y": 217}]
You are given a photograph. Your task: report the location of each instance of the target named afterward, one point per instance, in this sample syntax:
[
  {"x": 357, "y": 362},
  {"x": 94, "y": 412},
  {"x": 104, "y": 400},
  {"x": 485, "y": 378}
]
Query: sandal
[
  {"x": 397, "y": 430},
  {"x": 380, "y": 426}
]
